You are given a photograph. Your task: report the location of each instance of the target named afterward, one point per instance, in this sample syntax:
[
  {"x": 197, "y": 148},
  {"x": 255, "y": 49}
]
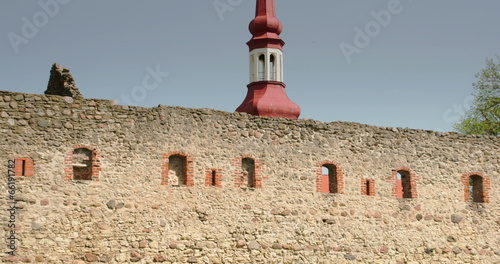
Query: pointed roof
[{"x": 265, "y": 27}]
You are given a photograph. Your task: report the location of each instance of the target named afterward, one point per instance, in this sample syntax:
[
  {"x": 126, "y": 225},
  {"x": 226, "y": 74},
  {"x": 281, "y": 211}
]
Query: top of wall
[{"x": 52, "y": 111}]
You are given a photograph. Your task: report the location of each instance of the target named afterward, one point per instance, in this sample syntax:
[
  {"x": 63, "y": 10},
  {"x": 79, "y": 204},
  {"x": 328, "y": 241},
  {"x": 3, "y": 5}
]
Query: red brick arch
[
  {"x": 95, "y": 165},
  {"x": 189, "y": 169},
  {"x": 240, "y": 180},
  {"x": 396, "y": 185},
  {"x": 322, "y": 181},
  {"x": 486, "y": 186}
]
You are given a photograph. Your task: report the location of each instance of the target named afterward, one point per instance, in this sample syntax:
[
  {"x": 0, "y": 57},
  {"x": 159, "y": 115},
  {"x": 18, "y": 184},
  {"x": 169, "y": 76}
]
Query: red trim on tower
[
  {"x": 268, "y": 98},
  {"x": 265, "y": 27}
]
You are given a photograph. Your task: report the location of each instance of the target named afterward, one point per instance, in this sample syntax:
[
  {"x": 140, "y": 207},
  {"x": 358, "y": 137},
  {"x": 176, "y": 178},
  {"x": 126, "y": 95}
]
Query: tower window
[
  {"x": 273, "y": 68},
  {"x": 262, "y": 68}
]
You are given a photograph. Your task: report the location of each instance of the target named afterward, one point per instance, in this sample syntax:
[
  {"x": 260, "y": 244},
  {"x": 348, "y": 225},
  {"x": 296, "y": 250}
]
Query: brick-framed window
[
  {"x": 476, "y": 187},
  {"x": 82, "y": 162},
  {"x": 248, "y": 172},
  {"x": 329, "y": 177},
  {"x": 177, "y": 169},
  {"x": 24, "y": 167},
  {"x": 404, "y": 183},
  {"x": 213, "y": 177},
  {"x": 368, "y": 187}
]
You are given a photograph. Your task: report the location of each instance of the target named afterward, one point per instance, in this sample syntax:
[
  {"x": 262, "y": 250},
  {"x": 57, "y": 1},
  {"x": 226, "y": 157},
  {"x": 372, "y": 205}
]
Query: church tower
[{"x": 266, "y": 94}]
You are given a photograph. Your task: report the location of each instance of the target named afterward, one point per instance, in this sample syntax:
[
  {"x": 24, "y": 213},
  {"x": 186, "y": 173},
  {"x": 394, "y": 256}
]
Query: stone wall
[{"x": 130, "y": 211}]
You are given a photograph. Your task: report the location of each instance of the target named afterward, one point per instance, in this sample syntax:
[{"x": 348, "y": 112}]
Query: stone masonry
[
  {"x": 62, "y": 83},
  {"x": 131, "y": 205}
]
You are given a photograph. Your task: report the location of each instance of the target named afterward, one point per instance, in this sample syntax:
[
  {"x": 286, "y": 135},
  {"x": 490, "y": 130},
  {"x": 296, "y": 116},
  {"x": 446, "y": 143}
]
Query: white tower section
[{"x": 266, "y": 64}]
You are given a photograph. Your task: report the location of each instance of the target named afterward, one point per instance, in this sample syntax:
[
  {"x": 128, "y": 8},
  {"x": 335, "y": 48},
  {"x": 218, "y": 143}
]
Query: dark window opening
[
  {"x": 368, "y": 187},
  {"x": 248, "y": 170},
  {"x": 476, "y": 189},
  {"x": 23, "y": 168},
  {"x": 214, "y": 179}
]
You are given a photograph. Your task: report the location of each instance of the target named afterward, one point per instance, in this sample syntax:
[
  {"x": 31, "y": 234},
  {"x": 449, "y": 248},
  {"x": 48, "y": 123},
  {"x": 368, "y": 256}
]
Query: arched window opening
[
  {"x": 273, "y": 68},
  {"x": 82, "y": 164},
  {"x": 476, "y": 187},
  {"x": 248, "y": 171},
  {"x": 262, "y": 68},
  {"x": 403, "y": 182},
  {"x": 330, "y": 179},
  {"x": 177, "y": 170},
  {"x": 476, "y": 191}
]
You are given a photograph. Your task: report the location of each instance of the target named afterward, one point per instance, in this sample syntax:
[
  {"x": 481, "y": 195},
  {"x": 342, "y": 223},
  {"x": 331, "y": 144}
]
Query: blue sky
[{"x": 413, "y": 70}]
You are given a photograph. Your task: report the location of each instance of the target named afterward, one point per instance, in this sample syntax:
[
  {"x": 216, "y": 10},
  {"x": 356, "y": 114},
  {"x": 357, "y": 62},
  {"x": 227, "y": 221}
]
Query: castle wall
[{"x": 133, "y": 210}]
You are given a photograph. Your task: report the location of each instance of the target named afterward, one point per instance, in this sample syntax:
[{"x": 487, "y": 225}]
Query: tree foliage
[{"x": 484, "y": 116}]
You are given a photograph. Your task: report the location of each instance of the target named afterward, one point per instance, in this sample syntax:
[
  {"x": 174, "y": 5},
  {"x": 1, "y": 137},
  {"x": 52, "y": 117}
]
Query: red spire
[
  {"x": 266, "y": 94},
  {"x": 265, "y": 27}
]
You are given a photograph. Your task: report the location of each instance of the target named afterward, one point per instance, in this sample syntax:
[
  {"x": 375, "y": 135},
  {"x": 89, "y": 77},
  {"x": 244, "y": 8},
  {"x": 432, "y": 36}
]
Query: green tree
[{"x": 483, "y": 117}]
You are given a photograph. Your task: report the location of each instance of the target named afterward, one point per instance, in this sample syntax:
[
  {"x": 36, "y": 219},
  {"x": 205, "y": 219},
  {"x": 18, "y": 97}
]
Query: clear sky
[{"x": 406, "y": 63}]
